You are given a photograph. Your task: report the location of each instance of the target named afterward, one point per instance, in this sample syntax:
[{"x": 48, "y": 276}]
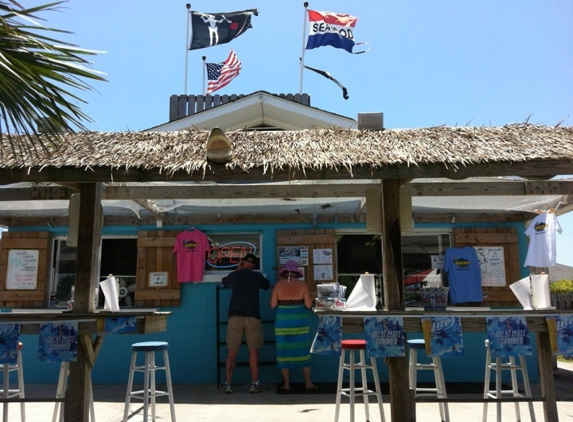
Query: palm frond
[{"x": 39, "y": 77}]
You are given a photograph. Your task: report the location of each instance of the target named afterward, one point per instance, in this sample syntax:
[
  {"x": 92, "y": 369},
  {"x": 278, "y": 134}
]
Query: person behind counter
[
  {"x": 245, "y": 319},
  {"x": 291, "y": 298}
]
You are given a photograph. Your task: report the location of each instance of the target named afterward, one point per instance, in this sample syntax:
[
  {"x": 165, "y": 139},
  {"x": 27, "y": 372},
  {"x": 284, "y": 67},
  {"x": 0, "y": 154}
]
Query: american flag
[{"x": 220, "y": 74}]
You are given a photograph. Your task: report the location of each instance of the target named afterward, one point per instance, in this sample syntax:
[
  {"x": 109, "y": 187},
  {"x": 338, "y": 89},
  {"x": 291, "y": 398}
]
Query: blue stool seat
[
  {"x": 150, "y": 346},
  {"x": 417, "y": 343},
  {"x": 149, "y": 392}
]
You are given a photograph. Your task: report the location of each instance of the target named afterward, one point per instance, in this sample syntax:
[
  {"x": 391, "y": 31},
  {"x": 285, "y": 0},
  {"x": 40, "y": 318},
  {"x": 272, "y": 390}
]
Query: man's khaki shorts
[{"x": 249, "y": 327}]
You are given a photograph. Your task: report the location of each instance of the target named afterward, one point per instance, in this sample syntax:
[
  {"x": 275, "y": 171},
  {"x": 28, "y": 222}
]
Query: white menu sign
[{"x": 22, "y": 269}]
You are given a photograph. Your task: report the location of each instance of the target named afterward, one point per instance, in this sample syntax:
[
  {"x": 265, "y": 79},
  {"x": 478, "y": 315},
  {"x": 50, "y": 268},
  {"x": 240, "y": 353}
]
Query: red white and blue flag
[
  {"x": 335, "y": 29},
  {"x": 221, "y": 74}
]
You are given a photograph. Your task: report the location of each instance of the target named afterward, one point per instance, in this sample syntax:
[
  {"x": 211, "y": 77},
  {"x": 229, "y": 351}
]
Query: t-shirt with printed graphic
[
  {"x": 464, "y": 274},
  {"x": 191, "y": 247},
  {"x": 542, "y": 240}
]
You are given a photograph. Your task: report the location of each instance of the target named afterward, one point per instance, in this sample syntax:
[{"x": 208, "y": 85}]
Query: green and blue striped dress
[{"x": 292, "y": 334}]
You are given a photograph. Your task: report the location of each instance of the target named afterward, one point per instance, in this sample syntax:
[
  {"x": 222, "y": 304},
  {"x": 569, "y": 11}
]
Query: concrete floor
[{"x": 206, "y": 403}]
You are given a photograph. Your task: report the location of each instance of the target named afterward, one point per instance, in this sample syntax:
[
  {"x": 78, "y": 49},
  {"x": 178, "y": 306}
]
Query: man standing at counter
[{"x": 245, "y": 319}]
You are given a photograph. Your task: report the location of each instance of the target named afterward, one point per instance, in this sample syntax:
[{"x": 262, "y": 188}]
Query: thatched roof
[{"x": 339, "y": 150}]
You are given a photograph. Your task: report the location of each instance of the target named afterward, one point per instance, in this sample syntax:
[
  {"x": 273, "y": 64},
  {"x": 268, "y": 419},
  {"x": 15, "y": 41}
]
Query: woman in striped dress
[{"x": 291, "y": 298}]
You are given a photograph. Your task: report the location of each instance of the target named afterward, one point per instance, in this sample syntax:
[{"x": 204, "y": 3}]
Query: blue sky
[{"x": 441, "y": 62}]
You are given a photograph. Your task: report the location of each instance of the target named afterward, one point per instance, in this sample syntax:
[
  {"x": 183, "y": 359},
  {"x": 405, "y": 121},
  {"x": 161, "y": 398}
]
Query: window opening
[{"x": 118, "y": 257}]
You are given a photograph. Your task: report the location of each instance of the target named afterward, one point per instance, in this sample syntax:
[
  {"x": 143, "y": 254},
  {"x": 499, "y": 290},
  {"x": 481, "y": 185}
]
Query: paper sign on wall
[
  {"x": 22, "y": 269},
  {"x": 492, "y": 265}
]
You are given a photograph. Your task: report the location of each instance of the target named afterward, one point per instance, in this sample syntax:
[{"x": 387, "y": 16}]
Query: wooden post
[
  {"x": 546, "y": 381},
  {"x": 77, "y": 398},
  {"x": 402, "y": 402}
]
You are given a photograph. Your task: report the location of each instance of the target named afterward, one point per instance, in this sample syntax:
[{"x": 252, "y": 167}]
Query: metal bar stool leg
[
  {"x": 339, "y": 384},
  {"x": 169, "y": 386},
  {"x": 129, "y": 386},
  {"x": 527, "y": 387},
  {"x": 441, "y": 388},
  {"x": 7, "y": 392},
  {"x": 514, "y": 386},
  {"x": 364, "y": 384},
  {"x": 351, "y": 392}
]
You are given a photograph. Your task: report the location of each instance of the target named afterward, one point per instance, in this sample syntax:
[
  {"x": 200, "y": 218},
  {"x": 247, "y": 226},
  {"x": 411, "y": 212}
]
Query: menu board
[{"x": 22, "y": 269}]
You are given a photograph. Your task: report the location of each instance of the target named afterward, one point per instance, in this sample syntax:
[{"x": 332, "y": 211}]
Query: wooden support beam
[
  {"x": 403, "y": 404},
  {"x": 89, "y": 238},
  {"x": 490, "y": 187},
  {"x": 220, "y": 173}
]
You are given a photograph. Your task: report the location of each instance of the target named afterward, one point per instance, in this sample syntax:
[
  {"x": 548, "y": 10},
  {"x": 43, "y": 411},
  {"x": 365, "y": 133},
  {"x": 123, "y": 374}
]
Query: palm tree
[{"x": 38, "y": 78}]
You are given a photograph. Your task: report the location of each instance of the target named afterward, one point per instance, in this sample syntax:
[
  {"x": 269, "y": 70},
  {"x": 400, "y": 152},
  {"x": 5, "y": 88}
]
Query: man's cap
[{"x": 250, "y": 258}]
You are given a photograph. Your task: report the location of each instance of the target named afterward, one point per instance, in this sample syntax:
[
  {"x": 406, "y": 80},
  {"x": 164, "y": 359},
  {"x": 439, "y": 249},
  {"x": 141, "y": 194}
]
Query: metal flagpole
[
  {"x": 187, "y": 40},
  {"x": 204, "y": 69},
  {"x": 303, "y": 36}
]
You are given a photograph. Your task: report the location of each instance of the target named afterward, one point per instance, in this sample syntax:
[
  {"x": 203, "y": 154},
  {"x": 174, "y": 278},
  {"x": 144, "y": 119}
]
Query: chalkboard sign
[{"x": 22, "y": 269}]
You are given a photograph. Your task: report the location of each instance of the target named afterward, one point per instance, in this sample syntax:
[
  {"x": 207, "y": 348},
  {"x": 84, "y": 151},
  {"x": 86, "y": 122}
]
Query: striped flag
[
  {"x": 334, "y": 29},
  {"x": 221, "y": 74}
]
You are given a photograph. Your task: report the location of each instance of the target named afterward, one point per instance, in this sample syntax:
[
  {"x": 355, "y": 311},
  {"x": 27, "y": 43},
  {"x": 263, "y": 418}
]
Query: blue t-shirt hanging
[{"x": 464, "y": 275}]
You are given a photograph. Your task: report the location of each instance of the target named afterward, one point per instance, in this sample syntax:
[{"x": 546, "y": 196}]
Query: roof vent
[{"x": 371, "y": 121}]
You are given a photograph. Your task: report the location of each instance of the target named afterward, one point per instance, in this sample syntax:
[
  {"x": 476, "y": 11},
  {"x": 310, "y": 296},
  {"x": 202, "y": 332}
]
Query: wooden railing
[{"x": 186, "y": 105}]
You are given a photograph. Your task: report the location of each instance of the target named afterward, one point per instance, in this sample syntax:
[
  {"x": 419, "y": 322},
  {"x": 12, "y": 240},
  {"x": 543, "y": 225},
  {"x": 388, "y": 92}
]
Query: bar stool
[
  {"x": 436, "y": 365},
  {"x": 148, "y": 368},
  {"x": 61, "y": 393},
  {"x": 7, "y": 392},
  {"x": 356, "y": 349},
  {"x": 497, "y": 365}
]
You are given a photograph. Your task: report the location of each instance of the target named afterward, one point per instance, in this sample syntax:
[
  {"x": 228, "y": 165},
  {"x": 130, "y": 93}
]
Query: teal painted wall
[{"x": 192, "y": 330}]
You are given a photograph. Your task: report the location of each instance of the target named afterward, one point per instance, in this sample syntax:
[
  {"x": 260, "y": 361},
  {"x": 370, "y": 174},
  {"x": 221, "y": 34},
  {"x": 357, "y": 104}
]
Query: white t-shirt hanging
[{"x": 542, "y": 243}]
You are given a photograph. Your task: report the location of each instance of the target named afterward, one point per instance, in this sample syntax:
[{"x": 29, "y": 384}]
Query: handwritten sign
[
  {"x": 492, "y": 265},
  {"x": 22, "y": 269}
]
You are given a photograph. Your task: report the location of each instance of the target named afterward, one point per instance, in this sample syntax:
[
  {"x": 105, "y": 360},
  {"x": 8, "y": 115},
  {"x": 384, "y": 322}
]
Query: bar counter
[
  {"x": 90, "y": 339},
  {"x": 473, "y": 321},
  {"x": 149, "y": 320}
]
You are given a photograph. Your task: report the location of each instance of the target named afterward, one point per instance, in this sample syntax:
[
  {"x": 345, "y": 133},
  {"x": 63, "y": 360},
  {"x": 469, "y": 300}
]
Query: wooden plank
[
  {"x": 474, "y": 322},
  {"x": 157, "y": 294},
  {"x": 155, "y": 242},
  {"x": 483, "y": 239},
  {"x": 226, "y": 191},
  {"x": 152, "y": 324},
  {"x": 303, "y": 239},
  {"x": 24, "y": 243},
  {"x": 35, "y": 193},
  {"x": 23, "y": 295}
]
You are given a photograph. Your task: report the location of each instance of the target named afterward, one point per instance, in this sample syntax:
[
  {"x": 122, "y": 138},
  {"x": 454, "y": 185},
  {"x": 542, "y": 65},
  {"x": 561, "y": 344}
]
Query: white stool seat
[
  {"x": 149, "y": 392},
  {"x": 61, "y": 393},
  {"x": 354, "y": 348},
  {"x": 436, "y": 366},
  {"x": 507, "y": 364},
  {"x": 7, "y": 392}
]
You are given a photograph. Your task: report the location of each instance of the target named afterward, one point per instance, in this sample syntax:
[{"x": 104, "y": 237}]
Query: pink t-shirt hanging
[{"x": 191, "y": 247}]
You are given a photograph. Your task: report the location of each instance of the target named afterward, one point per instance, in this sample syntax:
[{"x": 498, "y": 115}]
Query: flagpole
[
  {"x": 203, "y": 84},
  {"x": 187, "y": 39},
  {"x": 302, "y": 53}
]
